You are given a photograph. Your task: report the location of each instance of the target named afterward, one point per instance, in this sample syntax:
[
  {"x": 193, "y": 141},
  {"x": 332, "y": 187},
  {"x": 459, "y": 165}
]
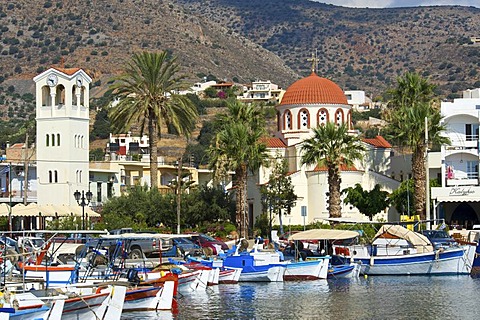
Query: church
[{"x": 307, "y": 103}]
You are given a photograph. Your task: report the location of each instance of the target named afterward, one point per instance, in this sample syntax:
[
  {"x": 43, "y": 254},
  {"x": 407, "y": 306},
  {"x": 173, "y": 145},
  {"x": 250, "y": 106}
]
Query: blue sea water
[{"x": 441, "y": 297}]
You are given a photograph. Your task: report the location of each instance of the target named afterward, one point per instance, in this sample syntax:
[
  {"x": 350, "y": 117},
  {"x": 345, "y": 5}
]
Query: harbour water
[{"x": 441, "y": 297}]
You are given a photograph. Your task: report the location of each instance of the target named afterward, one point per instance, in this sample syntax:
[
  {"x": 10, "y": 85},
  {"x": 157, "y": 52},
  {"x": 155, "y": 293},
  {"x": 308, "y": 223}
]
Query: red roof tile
[
  {"x": 378, "y": 142},
  {"x": 314, "y": 90},
  {"x": 67, "y": 71},
  {"x": 342, "y": 168},
  {"x": 271, "y": 142}
]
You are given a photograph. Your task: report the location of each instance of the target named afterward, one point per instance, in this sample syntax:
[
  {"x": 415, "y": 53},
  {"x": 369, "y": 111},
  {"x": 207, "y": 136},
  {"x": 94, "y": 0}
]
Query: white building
[
  {"x": 261, "y": 91},
  {"x": 307, "y": 103},
  {"x": 458, "y": 198},
  {"x": 358, "y": 100}
]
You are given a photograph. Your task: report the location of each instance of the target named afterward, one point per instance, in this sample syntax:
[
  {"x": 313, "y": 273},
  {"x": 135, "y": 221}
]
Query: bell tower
[{"x": 62, "y": 116}]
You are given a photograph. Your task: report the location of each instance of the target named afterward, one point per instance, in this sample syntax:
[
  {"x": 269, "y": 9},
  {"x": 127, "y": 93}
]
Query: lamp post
[{"x": 83, "y": 199}]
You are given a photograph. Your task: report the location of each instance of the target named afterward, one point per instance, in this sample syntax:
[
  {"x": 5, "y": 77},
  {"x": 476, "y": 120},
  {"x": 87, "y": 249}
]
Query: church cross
[{"x": 314, "y": 61}]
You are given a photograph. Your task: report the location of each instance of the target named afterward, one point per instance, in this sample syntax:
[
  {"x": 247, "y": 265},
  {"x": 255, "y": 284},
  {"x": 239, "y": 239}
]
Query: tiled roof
[
  {"x": 378, "y": 142},
  {"x": 314, "y": 90},
  {"x": 271, "y": 142},
  {"x": 342, "y": 168},
  {"x": 67, "y": 71}
]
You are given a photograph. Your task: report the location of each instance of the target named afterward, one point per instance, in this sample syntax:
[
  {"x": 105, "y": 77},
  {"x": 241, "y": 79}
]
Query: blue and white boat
[
  {"x": 260, "y": 265},
  {"x": 396, "y": 250}
]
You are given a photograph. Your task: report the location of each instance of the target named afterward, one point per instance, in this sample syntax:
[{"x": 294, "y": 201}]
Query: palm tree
[
  {"x": 237, "y": 146},
  {"x": 331, "y": 146},
  {"x": 411, "y": 102},
  {"x": 148, "y": 96}
]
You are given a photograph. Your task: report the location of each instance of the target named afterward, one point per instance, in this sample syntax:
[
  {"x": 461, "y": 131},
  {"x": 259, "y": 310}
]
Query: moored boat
[{"x": 399, "y": 251}]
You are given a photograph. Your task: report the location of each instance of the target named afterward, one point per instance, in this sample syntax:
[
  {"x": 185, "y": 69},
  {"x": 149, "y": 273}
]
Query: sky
[{"x": 399, "y": 3}]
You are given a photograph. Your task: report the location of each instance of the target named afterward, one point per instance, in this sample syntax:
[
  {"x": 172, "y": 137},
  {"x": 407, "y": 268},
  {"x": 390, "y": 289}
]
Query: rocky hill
[
  {"x": 359, "y": 48},
  {"x": 100, "y": 35}
]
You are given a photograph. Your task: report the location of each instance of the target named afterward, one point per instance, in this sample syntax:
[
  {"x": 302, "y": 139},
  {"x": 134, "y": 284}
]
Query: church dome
[{"x": 314, "y": 90}]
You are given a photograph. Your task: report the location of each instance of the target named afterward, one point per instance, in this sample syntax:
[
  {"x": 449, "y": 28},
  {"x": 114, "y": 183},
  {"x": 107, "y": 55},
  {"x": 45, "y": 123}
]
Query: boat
[
  {"x": 322, "y": 242},
  {"x": 102, "y": 305},
  {"x": 396, "y": 250},
  {"x": 227, "y": 275}
]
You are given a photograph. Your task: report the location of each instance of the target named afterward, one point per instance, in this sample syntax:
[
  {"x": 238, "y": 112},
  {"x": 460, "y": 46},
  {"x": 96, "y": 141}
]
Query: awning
[
  {"x": 48, "y": 210},
  {"x": 324, "y": 234}
]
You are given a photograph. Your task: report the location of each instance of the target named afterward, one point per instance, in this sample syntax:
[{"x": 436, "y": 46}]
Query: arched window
[
  {"x": 80, "y": 176},
  {"x": 50, "y": 176},
  {"x": 60, "y": 97},
  {"x": 45, "y": 96},
  {"x": 47, "y": 140},
  {"x": 339, "y": 117},
  {"x": 81, "y": 142},
  {"x": 53, "y": 140},
  {"x": 304, "y": 119},
  {"x": 287, "y": 120},
  {"x": 278, "y": 121},
  {"x": 58, "y": 139},
  {"x": 322, "y": 117},
  {"x": 56, "y": 176}
]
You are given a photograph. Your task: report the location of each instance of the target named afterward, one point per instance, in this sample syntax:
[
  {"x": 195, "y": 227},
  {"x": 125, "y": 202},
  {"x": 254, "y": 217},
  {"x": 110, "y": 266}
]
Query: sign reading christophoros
[{"x": 462, "y": 191}]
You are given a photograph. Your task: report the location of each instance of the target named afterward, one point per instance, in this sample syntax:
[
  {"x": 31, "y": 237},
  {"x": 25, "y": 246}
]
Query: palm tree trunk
[
  {"x": 418, "y": 171},
  {"x": 241, "y": 217},
  {"x": 334, "y": 181},
  {"x": 153, "y": 137}
]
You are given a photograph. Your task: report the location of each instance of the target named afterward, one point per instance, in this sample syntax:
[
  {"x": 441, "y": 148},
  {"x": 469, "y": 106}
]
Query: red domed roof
[{"x": 314, "y": 89}]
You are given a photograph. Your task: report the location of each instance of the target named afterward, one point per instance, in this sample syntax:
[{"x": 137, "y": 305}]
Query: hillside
[
  {"x": 359, "y": 48},
  {"x": 101, "y": 35}
]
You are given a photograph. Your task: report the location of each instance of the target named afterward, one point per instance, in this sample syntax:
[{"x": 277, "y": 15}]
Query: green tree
[
  {"x": 411, "y": 103},
  {"x": 237, "y": 146},
  {"x": 147, "y": 95},
  {"x": 402, "y": 198},
  {"x": 278, "y": 193},
  {"x": 331, "y": 146},
  {"x": 368, "y": 203}
]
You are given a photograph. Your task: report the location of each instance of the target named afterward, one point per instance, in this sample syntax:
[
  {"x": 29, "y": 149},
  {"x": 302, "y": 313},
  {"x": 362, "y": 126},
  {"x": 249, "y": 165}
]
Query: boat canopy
[
  {"x": 324, "y": 234},
  {"x": 419, "y": 241}
]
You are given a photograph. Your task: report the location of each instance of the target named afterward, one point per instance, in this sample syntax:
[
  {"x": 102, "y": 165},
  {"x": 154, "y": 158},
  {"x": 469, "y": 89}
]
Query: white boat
[
  {"x": 106, "y": 305},
  {"x": 323, "y": 239},
  {"x": 396, "y": 250}
]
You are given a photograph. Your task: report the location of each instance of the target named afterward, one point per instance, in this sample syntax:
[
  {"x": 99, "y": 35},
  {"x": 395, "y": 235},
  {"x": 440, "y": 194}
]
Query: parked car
[
  {"x": 138, "y": 248},
  {"x": 206, "y": 241},
  {"x": 182, "y": 247},
  {"x": 439, "y": 238}
]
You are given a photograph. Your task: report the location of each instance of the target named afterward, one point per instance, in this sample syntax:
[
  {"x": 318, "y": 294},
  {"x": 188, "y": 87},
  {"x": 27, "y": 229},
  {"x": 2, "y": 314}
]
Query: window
[
  {"x": 99, "y": 191},
  {"x": 56, "y": 176},
  {"x": 322, "y": 117},
  {"x": 50, "y": 176},
  {"x": 472, "y": 169},
  {"x": 339, "y": 117},
  {"x": 47, "y": 140},
  {"x": 53, "y": 140},
  {"x": 109, "y": 190},
  {"x": 58, "y": 139},
  {"x": 304, "y": 119},
  {"x": 288, "y": 120},
  {"x": 471, "y": 132}
]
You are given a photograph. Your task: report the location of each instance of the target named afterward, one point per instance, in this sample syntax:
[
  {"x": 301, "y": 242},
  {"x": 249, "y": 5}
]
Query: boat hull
[
  {"x": 448, "y": 262},
  {"x": 307, "y": 270}
]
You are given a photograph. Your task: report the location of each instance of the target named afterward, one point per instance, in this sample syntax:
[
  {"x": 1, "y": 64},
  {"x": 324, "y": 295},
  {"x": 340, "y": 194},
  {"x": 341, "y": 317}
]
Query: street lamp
[{"x": 83, "y": 199}]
